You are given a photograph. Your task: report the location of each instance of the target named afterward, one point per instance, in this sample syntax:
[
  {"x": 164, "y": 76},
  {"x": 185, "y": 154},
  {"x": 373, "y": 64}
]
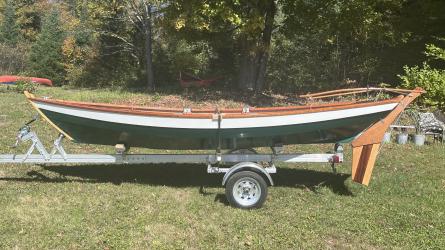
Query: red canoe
[{"x": 14, "y": 79}]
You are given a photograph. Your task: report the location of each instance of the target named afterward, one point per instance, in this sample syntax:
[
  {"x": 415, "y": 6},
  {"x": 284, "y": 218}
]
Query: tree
[
  {"x": 137, "y": 17},
  {"x": 46, "y": 58},
  {"x": 286, "y": 45},
  {"x": 254, "y": 44},
  {"x": 140, "y": 14},
  {"x": 251, "y": 24},
  {"x": 327, "y": 44},
  {"x": 9, "y": 30},
  {"x": 107, "y": 52}
]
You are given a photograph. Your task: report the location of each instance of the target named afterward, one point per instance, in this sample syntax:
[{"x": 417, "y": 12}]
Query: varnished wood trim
[
  {"x": 363, "y": 161},
  {"x": 207, "y": 113},
  {"x": 374, "y": 134},
  {"x": 366, "y": 145},
  {"x": 355, "y": 91},
  {"x": 339, "y": 94}
]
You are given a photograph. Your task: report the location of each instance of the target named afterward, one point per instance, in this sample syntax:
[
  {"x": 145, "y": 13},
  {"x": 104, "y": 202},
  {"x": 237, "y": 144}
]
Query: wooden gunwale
[
  {"x": 209, "y": 113},
  {"x": 205, "y": 110}
]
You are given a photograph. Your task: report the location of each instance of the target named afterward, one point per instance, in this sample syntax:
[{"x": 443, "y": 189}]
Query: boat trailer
[{"x": 245, "y": 182}]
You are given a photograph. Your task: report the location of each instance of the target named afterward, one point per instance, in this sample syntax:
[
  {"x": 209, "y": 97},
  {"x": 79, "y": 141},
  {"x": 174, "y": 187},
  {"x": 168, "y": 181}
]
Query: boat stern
[{"x": 365, "y": 147}]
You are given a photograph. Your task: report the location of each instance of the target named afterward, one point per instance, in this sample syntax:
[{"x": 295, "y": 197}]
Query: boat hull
[
  {"x": 92, "y": 131},
  {"x": 12, "y": 80}
]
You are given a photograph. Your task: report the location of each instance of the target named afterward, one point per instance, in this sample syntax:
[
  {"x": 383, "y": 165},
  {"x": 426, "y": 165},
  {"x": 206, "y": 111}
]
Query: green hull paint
[{"x": 107, "y": 133}]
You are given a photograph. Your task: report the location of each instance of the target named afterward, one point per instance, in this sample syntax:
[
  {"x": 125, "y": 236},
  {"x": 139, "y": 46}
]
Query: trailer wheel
[{"x": 246, "y": 189}]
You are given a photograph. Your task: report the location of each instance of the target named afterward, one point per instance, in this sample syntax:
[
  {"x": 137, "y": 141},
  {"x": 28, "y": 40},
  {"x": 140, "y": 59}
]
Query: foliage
[
  {"x": 249, "y": 26},
  {"x": 46, "y": 59},
  {"x": 77, "y": 47},
  {"x": 25, "y": 85},
  {"x": 285, "y": 46},
  {"x": 187, "y": 57},
  {"x": 432, "y": 80},
  {"x": 29, "y": 17},
  {"x": 327, "y": 44},
  {"x": 13, "y": 59},
  {"x": 75, "y": 58},
  {"x": 413, "y": 115},
  {"x": 9, "y": 30},
  {"x": 111, "y": 64},
  {"x": 435, "y": 52}
]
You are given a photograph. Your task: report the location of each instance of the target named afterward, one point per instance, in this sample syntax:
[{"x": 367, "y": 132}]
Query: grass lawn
[{"x": 180, "y": 206}]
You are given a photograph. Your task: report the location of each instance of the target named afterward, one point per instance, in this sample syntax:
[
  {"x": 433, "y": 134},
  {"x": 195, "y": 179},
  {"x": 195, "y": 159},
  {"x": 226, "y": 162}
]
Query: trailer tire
[{"x": 246, "y": 190}]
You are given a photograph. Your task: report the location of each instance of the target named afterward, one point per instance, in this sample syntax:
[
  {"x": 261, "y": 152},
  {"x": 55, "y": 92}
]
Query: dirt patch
[{"x": 211, "y": 98}]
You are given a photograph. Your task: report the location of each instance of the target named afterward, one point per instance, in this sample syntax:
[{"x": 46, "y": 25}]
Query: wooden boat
[
  {"x": 362, "y": 122},
  {"x": 13, "y": 80},
  {"x": 189, "y": 80}
]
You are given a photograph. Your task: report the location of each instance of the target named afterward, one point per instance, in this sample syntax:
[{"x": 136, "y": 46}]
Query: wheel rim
[{"x": 246, "y": 191}]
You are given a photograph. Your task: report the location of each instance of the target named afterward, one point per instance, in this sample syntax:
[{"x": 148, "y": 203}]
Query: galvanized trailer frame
[{"x": 245, "y": 161}]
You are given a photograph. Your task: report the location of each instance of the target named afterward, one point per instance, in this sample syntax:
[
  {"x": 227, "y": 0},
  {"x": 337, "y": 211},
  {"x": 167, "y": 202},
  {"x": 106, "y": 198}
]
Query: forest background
[{"x": 281, "y": 46}]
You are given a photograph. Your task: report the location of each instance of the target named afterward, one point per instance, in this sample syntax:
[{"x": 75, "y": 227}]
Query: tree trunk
[
  {"x": 265, "y": 47},
  {"x": 254, "y": 57},
  {"x": 148, "y": 50},
  {"x": 247, "y": 70}
]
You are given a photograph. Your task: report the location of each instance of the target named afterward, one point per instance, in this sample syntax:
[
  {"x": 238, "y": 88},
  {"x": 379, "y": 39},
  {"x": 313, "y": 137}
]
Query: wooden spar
[
  {"x": 333, "y": 92},
  {"x": 365, "y": 147},
  {"x": 339, "y": 94},
  {"x": 353, "y": 91}
]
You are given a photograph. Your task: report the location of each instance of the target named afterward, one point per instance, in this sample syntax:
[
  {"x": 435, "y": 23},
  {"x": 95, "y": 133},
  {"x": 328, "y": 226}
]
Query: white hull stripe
[{"x": 229, "y": 123}]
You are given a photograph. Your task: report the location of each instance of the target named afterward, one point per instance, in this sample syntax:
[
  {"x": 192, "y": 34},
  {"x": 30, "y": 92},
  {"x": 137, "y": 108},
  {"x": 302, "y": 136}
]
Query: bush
[
  {"x": 432, "y": 80},
  {"x": 25, "y": 85}
]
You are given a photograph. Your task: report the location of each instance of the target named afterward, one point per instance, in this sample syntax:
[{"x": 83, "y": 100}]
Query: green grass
[{"x": 180, "y": 206}]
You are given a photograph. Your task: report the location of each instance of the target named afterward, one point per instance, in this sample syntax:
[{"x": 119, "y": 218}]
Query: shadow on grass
[{"x": 180, "y": 175}]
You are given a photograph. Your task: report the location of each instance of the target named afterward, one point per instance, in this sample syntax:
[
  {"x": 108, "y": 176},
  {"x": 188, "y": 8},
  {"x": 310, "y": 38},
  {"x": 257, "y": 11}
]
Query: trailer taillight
[{"x": 335, "y": 159}]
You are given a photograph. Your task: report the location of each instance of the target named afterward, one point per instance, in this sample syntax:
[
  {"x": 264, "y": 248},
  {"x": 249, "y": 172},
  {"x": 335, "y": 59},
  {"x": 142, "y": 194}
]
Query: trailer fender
[{"x": 250, "y": 166}]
